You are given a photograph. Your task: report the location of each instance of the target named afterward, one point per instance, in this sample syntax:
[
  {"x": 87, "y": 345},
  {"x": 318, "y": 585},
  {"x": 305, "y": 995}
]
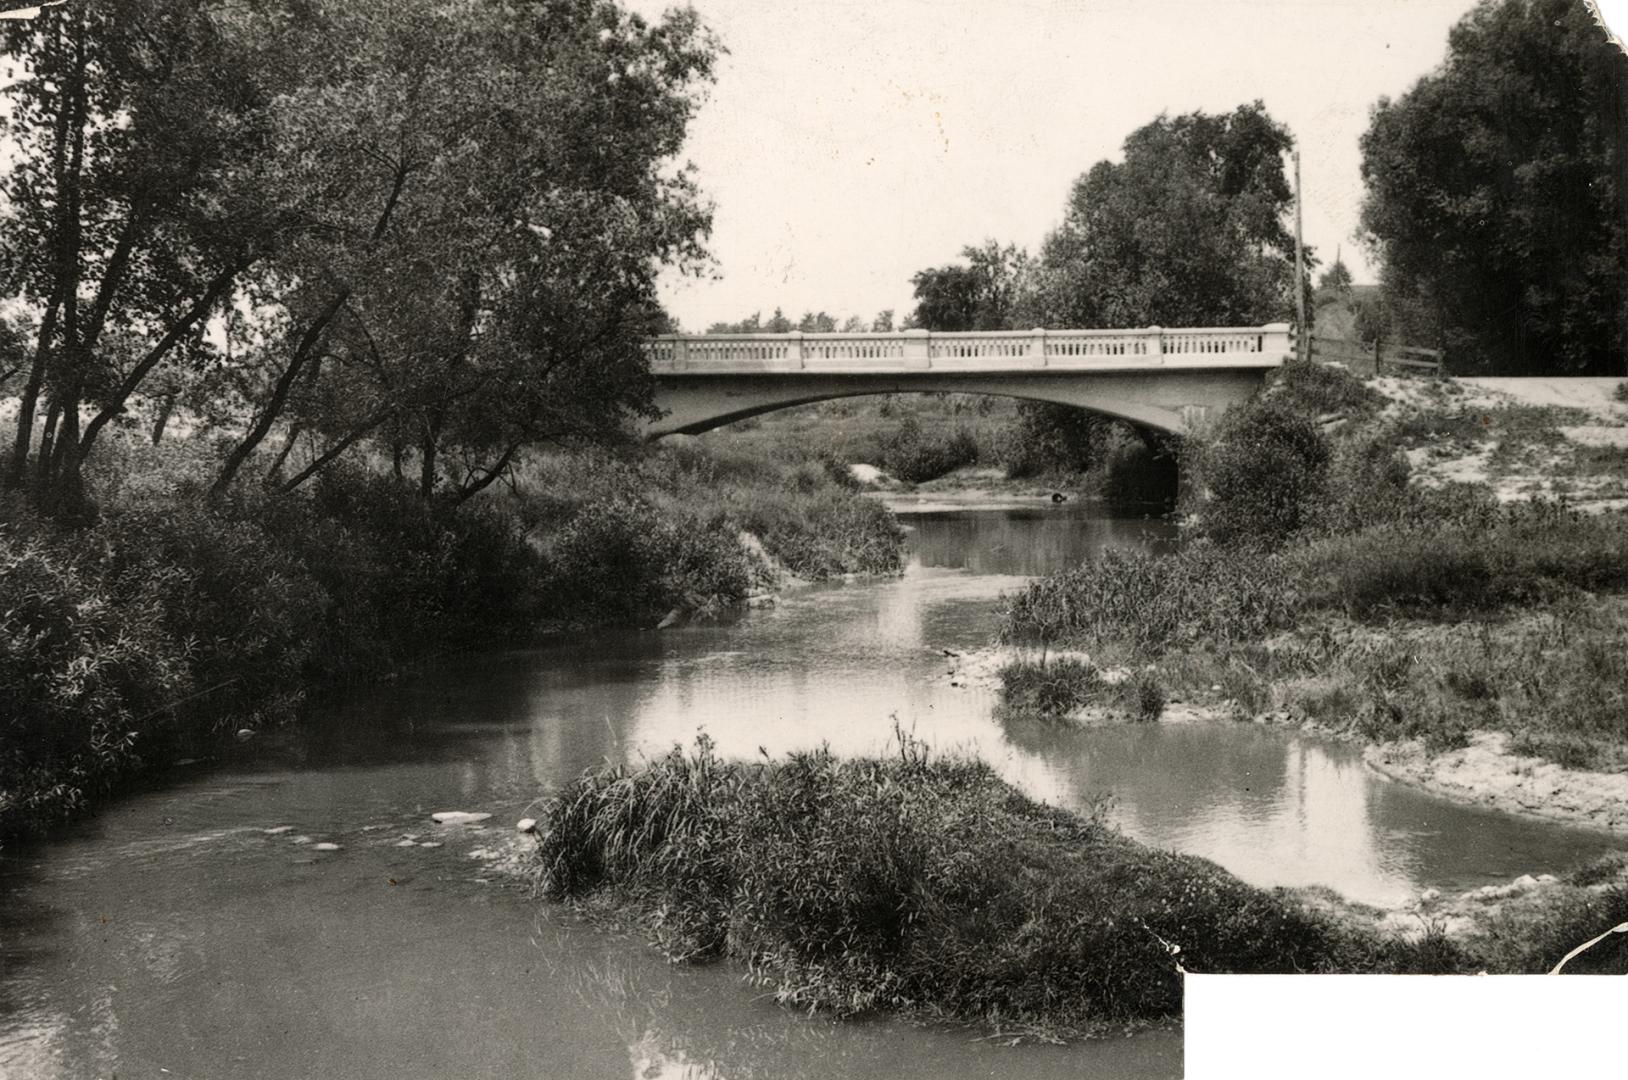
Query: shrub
[
  {"x": 620, "y": 560},
  {"x": 86, "y": 682},
  {"x": 1138, "y": 475},
  {"x": 1048, "y": 439},
  {"x": 914, "y": 455},
  {"x": 1367, "y": 485},
  {"x": 1267, "y": 472},
  {"x": 247, "y": 610},
  {"x": 455, "y": 573},
  {"x": 1314, "y": 390}
]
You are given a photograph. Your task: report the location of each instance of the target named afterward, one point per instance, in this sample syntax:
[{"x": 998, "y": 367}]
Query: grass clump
[
  {"x": 1148, "y": 603},
  {"x": 1526, "y": 553},
  {"x": 918, "y": 884},
  {"x": 1534, "y": 937},
  {"x": 1054, "y": 688},
  {"x": 1051, "y": 688}
]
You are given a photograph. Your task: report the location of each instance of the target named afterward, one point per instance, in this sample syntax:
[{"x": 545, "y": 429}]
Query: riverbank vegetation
[
  {"x": 172, "y": 618},
  {"x": 927, "y": 885},
  {"x": 950, "y": 442},
  {"x": 1352, "y": 597},
  {"x": 294, "y": 394}
]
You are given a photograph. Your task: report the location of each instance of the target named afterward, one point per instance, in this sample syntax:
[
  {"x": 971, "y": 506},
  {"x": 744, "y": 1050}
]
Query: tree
[
  {"x": 437, "y": 225},
  {"x": 125, "y": 218},
  {"x": 1497, "y": 189},
  {"x": 502, "y": 201},
  {"x": 979, "y": 296},
  {"x": 1336, "y": 278},
  {"x": 1188, "y": 230}
]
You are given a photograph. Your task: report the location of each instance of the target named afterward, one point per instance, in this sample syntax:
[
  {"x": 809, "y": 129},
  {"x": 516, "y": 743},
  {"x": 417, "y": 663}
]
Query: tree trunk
[
  {"x": 426, "y": 463},
  {"x": 206, "y": 303},
  {"x": 42, "y": 463},
  {"x": 333, "y": 452},
  {"x": 31, "y": 396},
  {"x": 279, "y": 396},
  {"x": 497, "y": 470},
  {"x": 294, "y": 433},
  {"x": 166, "y": 406}
]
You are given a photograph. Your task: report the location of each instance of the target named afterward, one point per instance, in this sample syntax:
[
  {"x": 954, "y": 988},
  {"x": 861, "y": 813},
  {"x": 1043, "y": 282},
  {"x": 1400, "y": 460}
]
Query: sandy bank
[{"x": 1488, "y": 773}]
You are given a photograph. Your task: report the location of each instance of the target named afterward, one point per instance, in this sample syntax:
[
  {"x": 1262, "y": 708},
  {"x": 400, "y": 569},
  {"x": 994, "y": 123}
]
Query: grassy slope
[{"x": 1421, "y": 612}]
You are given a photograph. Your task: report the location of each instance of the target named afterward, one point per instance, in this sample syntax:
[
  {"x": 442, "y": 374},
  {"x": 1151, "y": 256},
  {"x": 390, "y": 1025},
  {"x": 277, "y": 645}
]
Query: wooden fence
[{"x": 1377, "y": 359}]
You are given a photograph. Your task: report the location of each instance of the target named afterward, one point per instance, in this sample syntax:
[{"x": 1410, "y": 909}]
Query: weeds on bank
[
  {"x": 927, "y": 885},
  {"x": 1055, "y": 688},
  {"x": 1556, "y": 680},
  {"x": 1147, "y": 603},
  {"x": 1310, "y": 538},
  {"x": 916, "y": 883}
]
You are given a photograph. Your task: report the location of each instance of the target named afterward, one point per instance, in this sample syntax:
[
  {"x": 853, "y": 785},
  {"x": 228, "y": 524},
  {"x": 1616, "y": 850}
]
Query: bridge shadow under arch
[
  {"x": 1168, "y": 402},
  {"x": 1147, "y": 476}
]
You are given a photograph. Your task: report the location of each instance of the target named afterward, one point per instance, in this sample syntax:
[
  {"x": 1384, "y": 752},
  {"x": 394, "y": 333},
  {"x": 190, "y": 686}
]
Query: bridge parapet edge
[{"x": 996, "y": 350}]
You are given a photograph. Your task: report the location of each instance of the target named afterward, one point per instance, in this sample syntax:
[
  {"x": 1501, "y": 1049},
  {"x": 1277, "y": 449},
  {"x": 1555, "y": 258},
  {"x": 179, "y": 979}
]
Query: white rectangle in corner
[{"x": 1393, "y": 1026}]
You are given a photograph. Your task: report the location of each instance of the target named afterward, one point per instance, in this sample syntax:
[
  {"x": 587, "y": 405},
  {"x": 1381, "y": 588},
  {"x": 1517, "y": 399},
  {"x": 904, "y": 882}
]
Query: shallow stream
[{"x": 176, "y": 931}]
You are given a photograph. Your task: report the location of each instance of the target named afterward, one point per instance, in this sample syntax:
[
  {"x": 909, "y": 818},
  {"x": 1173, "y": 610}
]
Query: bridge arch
[{"x": 1169, "y": 402}]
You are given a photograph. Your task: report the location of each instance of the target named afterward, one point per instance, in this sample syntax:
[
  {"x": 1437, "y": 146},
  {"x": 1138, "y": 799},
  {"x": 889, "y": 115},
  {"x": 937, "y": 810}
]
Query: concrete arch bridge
[{"x": 1172, "y": 381}]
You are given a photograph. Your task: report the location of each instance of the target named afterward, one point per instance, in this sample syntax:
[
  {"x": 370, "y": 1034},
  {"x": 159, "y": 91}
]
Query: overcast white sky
[{"x": 849, "y": 143}]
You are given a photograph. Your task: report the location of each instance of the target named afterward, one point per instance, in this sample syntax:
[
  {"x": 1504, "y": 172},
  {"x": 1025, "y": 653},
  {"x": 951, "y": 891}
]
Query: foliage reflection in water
[{"x": 172, "y": 931}]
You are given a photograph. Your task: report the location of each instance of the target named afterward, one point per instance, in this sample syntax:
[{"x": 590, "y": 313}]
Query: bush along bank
[
  {"x": 173, "y": 618},
  {"x": 927, "y": 885},
  {"x": 1319, "y": 585}
]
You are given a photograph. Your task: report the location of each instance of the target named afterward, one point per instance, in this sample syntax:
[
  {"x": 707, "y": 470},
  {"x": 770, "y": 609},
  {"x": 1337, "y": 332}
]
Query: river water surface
[{"x": 197, "y": 931}]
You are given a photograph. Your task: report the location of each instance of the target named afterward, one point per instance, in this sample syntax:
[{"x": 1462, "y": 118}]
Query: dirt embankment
[
  {"x": 1488, "y": 773},
  {"x": 1555, "y": 437}
]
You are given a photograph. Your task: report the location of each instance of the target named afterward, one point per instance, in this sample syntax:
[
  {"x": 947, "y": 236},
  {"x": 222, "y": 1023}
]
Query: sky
[{"x": 847, "y": 144}]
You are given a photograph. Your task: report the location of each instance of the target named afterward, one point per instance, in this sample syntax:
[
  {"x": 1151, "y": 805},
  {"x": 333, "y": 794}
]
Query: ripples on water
[{"x": 172, "y": 931}]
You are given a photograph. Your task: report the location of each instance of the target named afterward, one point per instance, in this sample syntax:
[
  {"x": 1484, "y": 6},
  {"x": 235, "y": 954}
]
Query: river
[{"x": 196, "y": 930}]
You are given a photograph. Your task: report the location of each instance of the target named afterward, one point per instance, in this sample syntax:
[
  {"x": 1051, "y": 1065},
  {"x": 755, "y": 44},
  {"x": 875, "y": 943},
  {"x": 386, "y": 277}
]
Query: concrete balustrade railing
[{"x": 1007, "y": 350}]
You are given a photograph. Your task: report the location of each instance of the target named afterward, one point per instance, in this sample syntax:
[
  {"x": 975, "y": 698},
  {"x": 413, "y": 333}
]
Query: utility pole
[{"x": 1302, "y": 345}]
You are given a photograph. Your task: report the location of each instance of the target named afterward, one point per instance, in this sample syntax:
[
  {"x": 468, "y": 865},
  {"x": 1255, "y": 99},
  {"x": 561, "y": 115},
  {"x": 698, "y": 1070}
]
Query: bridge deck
[{"x": 918, "y": 352}]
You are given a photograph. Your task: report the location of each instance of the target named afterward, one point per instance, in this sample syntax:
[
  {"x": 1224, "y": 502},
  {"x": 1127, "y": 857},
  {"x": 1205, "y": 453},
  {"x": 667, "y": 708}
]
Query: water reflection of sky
[
  {"x": 173, "y": 932},
  {"x": 835, "y": 666}
]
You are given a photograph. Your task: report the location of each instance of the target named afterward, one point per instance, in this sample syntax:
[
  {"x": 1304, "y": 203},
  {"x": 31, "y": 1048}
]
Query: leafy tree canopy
[
  {"x": 432, "y": 225},
  {"x": 1188, "y": 230},
  {"x": 1496, "y": 193},
  {"x": 1336, "y": 277},
  {"x": 982, "y": 295}
]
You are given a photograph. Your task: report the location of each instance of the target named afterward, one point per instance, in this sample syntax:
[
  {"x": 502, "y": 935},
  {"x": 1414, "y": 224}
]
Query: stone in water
[{"x": 458, "y": 817}]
